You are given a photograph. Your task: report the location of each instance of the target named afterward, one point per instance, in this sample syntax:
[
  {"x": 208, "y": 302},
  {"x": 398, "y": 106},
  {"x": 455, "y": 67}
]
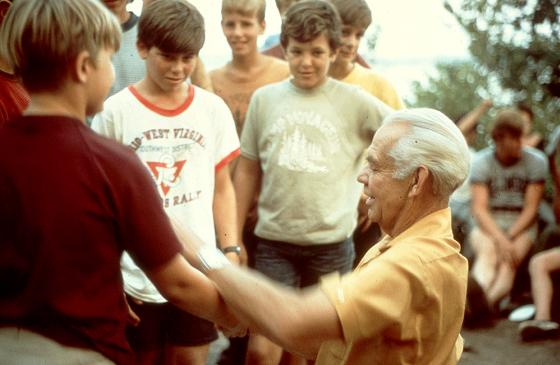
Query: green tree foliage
[
  {"x": 516, "y": 43},
  {"x": 455, "y": 88}
]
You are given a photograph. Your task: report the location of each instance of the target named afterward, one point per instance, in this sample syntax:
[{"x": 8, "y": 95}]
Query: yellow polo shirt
[{"x": 405, "y": 301}]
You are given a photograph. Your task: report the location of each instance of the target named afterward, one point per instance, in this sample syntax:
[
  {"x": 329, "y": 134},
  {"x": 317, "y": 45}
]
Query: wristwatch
[
  {"x": 234, "y": 249},
  {"x": 212, "y": 259}
]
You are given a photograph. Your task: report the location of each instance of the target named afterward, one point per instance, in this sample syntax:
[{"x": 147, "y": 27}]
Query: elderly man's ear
[{"x": 420, "y": 182}]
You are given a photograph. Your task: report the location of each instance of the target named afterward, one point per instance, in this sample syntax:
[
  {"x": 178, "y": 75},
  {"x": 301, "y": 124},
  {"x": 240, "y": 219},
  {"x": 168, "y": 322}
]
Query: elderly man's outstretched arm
[{"x": 299, "y": 321}]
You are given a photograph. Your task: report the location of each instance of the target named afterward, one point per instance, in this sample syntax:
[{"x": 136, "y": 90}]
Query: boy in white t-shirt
[{"x": 186, "y": 137}]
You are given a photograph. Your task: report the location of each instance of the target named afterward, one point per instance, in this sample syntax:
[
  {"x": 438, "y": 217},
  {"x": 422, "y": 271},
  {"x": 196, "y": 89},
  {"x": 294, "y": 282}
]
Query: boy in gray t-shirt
[
  {"x": 507, "y": 183},
  {"x": 303, "y": 143}
]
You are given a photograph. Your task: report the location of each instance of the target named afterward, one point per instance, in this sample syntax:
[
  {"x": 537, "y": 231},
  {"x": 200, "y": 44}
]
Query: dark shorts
[
  {"x": 164, "y": 324},
  {"x": 301, "y": 266}
]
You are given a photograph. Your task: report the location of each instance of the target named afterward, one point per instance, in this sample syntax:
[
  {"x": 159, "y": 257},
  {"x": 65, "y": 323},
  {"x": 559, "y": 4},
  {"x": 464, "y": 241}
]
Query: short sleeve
[
  {"x": 372, "y": 299},
  {"x": 227, "y": 141},
  {"x": 538, "y": 167},
  {"x": 141, "y": 223},
  {"x": 249, "y": 135},
  {"x": 480, "y": 169}
]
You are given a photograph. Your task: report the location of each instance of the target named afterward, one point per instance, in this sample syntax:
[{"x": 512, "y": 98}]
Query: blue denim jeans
[{"x": 301, "y": 266}]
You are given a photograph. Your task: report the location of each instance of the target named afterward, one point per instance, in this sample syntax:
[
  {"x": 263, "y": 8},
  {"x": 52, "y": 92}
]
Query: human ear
[
  {"x": 420, "y": 181},
  {"x": 82, "y": 66},
  {"x": 262, "y": 25},
  {"x": 142, "y": 50}
]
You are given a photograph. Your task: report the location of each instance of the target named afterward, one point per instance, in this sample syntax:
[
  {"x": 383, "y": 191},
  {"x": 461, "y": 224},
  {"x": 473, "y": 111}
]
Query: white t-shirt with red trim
[{"x": 182, "y": 149}]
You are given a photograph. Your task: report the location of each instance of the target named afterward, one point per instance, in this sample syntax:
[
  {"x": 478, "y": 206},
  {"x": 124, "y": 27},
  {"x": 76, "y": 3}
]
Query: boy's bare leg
[
  {"x": 486, "y": 259},
  {"x": 506, "y": 272},
  {"x": 540, "y": 268},
  {"x": 187, "y": 355},
  {"x": 261, "y": 351}
]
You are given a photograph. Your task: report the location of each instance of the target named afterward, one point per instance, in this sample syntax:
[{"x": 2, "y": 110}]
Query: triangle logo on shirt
[{"x": 166, "y": 174}]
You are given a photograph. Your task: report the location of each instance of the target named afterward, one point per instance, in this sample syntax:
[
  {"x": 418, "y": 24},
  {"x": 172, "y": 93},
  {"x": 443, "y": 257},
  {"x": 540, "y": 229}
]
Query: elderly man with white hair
[{"x": 404, "y": 302}]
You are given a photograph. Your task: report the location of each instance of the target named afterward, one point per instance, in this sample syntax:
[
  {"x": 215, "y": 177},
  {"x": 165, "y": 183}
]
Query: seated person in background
[
  {"x": 404, "y": 302},
  {"x": 543, "y": 264},
  {"x": 507, "y": 182}
]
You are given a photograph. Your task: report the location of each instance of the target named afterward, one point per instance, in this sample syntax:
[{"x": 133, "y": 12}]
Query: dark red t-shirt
[
  {"x": 13, "y": 97},
  {"x": 70, "y": 202}
]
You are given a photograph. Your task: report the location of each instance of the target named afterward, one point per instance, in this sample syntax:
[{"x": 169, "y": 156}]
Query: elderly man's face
[{"x": 386, "y": 194}]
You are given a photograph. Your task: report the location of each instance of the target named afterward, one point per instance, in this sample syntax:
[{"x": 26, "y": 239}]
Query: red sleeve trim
[
  {"x": 165, "y": 112},
  {"x": 226, "y": 160}
]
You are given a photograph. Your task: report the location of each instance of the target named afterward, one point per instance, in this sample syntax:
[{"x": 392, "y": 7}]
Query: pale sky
[{"x": 413, "y": 34}]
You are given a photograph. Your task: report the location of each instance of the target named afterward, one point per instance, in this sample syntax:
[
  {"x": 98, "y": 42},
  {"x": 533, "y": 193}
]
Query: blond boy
[{"x": 242, "y": 23}]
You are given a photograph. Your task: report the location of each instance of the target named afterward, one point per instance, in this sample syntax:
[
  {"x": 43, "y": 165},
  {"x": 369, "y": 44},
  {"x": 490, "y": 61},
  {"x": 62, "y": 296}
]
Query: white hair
[{"x": 433, "y": 141}]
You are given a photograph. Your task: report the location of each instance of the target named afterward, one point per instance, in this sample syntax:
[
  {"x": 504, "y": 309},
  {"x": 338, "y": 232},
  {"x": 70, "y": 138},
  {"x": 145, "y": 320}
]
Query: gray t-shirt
[
  {"x": 507, "y": 184},
  {"x": 129, "y": 67},
  {"x": 310, "y": 145}
]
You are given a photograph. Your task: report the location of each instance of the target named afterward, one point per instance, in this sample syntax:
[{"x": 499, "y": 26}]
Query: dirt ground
[{"x": 501, "y": 345}]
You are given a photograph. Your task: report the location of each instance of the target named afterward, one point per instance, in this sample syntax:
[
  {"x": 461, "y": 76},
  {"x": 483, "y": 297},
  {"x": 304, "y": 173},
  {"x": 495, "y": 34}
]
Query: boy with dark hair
[
  {"x": 356, "y": 18},
  {"x": 186, "y": 138},
  {"x": 129, "y": 67},
  {"x": 275, "y": 49},
  {"x": 304, "y": 153},
  {"x": 72, "y": 201}
]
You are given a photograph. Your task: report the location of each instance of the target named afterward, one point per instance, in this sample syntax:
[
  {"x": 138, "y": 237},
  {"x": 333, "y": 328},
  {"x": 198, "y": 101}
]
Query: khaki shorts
[{"x": 505, "y": 219}]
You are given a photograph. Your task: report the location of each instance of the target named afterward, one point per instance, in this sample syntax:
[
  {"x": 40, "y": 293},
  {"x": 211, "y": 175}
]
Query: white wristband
[{"x": 212, "y": 259}]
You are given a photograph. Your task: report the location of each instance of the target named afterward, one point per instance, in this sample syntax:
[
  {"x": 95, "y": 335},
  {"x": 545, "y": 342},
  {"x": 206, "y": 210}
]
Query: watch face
[{"x": 235, "y": 249}]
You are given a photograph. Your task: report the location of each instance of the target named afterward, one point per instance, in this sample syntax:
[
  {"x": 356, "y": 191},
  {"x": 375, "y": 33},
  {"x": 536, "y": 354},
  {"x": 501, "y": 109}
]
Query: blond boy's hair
[
  {"x": 245, "y": 7},
  {"x": 307, "y": 20},
  {"x": 41, "y": 39},
  {"x": 173, "y": 26},
  {"x": 355, "y": 13}
]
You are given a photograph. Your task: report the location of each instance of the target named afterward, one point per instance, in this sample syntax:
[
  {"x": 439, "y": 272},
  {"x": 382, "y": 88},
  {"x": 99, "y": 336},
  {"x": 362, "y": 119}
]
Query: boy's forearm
[
  {"x": 225, "y": 216},
  {"x": 246, "y": 182}
]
